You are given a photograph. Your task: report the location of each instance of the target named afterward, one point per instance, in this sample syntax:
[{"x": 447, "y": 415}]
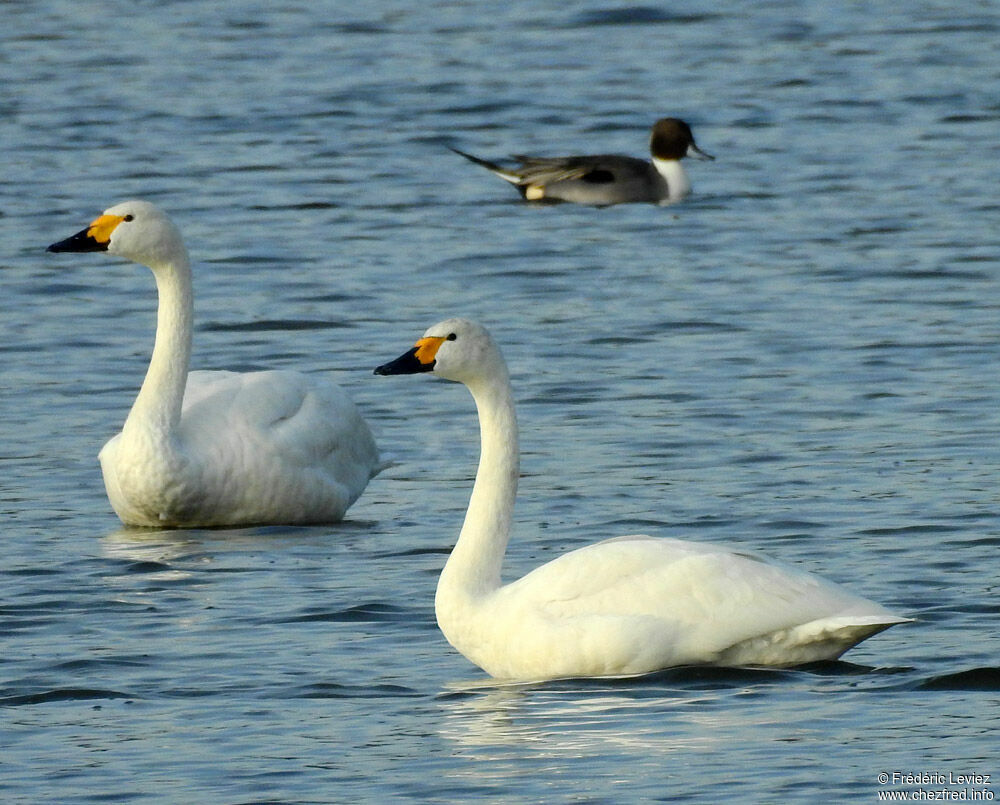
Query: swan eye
[
  {"x": 451, "y": 337},
  {"x": 129, "y": 218}
]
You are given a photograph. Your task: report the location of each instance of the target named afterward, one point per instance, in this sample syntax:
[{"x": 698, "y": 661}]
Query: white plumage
[
  {"x": 214, "y": 448},
  {"x": 625, "y": 606}
]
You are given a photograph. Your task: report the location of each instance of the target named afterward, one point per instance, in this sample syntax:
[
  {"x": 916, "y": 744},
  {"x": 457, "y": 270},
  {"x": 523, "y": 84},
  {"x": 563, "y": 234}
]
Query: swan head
[
  {"x": 455, "y": 349},
  {"x": 136, "y": 230}
]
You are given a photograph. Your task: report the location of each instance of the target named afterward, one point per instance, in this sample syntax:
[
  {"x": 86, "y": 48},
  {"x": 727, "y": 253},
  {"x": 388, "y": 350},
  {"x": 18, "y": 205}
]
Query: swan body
[
  {"x": 217, "y": 448},
  {"x": 604, "y": 179},
  {"x": 625, "y": 606}
]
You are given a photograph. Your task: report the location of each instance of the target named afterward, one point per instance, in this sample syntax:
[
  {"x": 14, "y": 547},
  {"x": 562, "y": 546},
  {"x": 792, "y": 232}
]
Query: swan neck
[
  {"x": 476, "y": 561},
  {"x": 158, "y": 404}
]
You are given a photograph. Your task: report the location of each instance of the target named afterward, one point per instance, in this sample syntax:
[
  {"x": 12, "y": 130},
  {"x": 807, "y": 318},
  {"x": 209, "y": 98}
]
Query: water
[{"x": 799, "y": 359}]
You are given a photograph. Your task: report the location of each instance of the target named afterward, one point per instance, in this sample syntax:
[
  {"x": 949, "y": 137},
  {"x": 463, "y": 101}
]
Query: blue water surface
[{"x": 801, "y": 359}]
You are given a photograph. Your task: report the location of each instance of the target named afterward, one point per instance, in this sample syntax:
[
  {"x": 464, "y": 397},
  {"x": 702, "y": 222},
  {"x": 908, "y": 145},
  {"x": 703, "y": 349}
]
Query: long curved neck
[
  {"x": 473, "y": 569},
  {"x": 158, "y": 404}
]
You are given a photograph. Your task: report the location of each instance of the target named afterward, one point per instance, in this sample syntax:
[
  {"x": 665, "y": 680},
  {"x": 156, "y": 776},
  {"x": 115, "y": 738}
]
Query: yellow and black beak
[
  {"x": 419, "y": 359},
  {"x": 95, "y": 238}
]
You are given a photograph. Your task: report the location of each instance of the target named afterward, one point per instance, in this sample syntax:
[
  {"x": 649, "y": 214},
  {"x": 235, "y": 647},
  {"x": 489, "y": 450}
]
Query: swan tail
[{"x": 818, "y": 640}]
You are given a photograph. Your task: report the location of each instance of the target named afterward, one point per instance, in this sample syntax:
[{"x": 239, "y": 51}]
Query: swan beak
[
  {"x": 95, "y": 238},
  {"x": 419, "y": 359}
]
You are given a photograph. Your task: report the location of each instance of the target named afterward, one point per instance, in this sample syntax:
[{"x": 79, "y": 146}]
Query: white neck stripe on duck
[{"x": 675, "y": 177}]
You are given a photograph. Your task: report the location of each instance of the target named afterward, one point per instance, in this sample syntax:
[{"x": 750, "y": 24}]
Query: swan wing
[
  {"x": 288, "y": 415},
  {"x": 706, "y": 599}
]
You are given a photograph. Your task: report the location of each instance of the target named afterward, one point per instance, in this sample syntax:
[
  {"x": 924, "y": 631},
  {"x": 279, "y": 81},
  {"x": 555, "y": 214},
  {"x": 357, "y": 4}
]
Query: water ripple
[{"x": 63, "y": 695}]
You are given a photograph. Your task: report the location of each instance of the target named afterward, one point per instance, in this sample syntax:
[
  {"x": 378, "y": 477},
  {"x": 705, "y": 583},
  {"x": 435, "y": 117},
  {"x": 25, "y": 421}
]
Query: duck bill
[
  {"x": 695, "y": 152},
  {"x": 406, "y": 364},
  {"x": 82, "y": 241}
]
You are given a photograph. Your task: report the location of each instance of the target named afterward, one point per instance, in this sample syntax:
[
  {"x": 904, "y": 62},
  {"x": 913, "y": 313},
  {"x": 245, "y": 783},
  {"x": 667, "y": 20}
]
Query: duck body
[
  {"x": 625, "y": 606},
  {"x": 218, "y": 448},
  {"x": 606, "y": 179}
]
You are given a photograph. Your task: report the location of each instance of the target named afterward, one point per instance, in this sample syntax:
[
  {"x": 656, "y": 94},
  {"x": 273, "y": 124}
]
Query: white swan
[
  {"x": 625, "y": 606},
  {"x": 220, "y": 448}
]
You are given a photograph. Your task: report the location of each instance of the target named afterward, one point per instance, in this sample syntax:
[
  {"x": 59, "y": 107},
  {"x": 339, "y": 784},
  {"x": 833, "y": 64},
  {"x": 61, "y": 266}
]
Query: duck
[
  {"x": 606, "y": 179},
  {"x": 219, "y": 448},
  {"x": 623, "y": 607}
]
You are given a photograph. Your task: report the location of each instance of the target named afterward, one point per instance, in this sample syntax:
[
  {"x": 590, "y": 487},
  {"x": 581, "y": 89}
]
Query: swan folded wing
[
  {"x": 328, "y": 428},
  {"x": 710, "y": 599},
  {"x": 205, "y": 384},
  {"x": 296, "y": 417},
  {"x": 258, "y": 399}
]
